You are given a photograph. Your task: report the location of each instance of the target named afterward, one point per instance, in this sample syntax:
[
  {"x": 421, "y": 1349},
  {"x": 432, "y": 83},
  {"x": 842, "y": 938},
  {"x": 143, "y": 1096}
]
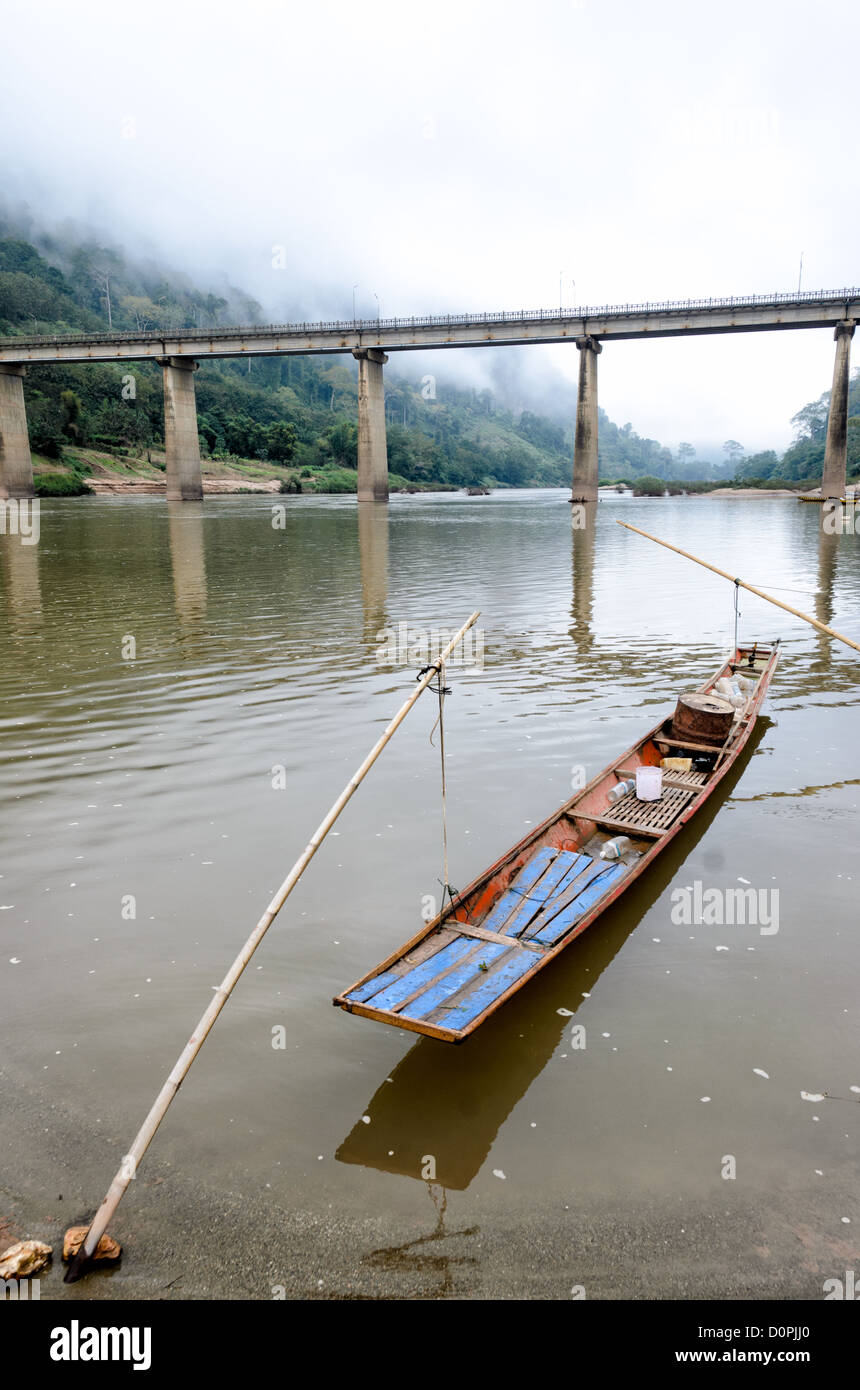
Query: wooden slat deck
[
  {"x": 648, "y": 817},
  {"x": 461, "y": 968}
]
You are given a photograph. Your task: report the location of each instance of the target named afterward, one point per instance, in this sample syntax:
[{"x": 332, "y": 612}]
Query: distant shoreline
[{"x": 106, "y": 474}]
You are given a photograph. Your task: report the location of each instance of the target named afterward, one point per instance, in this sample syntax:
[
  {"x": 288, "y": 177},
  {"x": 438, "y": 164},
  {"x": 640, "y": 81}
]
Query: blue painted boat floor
[{"x": 451, "y": 977}]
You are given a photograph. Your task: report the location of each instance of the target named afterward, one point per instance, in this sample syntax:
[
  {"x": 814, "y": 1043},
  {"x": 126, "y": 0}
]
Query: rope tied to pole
[
  {"x": 441, "y": 690},
  {"x": 742, "y": 583}
]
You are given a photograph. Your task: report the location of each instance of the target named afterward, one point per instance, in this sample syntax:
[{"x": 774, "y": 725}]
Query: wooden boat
[
  {"x": 845, "y": 501},
  {"x": 512, "y": 921}
]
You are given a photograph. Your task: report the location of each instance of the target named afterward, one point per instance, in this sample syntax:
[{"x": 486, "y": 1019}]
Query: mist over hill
[{"x": 301, "y": 412}]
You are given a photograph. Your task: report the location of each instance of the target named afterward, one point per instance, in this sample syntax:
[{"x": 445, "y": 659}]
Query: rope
[
  {"x": 737, "y": 611},
  {"x": 442, "y": 690},
  {"x": 446, "y": 887}
]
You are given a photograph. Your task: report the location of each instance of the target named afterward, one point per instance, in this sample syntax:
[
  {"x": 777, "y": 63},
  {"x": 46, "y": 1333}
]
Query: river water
[{"x": 156, "y": 791}]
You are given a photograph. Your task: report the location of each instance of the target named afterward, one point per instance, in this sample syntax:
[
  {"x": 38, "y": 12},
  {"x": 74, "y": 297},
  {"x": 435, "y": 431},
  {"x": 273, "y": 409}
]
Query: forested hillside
[
  {"x": 296, "y": 416},
  {"x": 289, "y": 412}
]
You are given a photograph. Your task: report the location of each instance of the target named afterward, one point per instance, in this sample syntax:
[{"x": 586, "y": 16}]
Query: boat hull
[{"x": 459, "y": 969}]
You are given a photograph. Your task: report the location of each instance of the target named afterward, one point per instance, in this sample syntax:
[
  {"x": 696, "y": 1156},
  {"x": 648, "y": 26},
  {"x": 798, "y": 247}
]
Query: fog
[{"x": 467, "y": 156}]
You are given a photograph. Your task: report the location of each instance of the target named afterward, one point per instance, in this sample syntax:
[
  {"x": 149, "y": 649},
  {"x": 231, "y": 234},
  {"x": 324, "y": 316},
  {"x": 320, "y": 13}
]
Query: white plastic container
[
  {"x": 649, "y": 783},
  {"x": 613, "y": 849}
]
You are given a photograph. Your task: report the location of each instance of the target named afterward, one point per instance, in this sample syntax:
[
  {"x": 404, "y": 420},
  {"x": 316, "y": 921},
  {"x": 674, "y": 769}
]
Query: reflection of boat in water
[
  {"x": 497, "y": 935},
  {"x": 448, "y": 1104}
]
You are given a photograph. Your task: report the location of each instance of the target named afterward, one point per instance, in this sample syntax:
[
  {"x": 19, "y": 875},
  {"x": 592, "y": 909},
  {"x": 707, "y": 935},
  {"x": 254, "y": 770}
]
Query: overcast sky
[{"x": 454, "y": 155}]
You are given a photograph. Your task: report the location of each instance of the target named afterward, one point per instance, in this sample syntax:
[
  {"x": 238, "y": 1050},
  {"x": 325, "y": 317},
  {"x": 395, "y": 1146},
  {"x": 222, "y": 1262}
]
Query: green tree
[
  {"x": 281, "y": 441},
  {"x": 811, "y": 421},
  {"x": 686, "y": 454},
  {"x": 648, "y": 486},
  {"x": 734, "y": 452},
  {"x": 342, "y": 441},
  {"x": 44, "y": 428},
  {"x": 71, "y": 408}
]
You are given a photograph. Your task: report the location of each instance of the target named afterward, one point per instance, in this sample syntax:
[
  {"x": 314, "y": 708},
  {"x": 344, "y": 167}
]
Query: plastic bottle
[
  {"x": 613, "y": 849},
  {"x": 731, "y": 690},
  {"x": 621, "y": 789}
]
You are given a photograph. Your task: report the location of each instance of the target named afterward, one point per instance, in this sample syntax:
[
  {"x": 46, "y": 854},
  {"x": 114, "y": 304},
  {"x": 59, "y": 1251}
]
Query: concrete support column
[
  {"x": 372, "y": 448},
  {"x": 836, "y": 448},
  {"x": 16, "y": 465},
  {"x": 181, "y": 442},
  {"x": 585, "y": 439}
]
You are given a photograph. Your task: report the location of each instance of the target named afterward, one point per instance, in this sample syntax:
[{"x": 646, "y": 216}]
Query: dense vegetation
[
  {"x": 298, "y": 414},
  {"x": 802, "y": 462},
  {"x": 290, "y": 412}
]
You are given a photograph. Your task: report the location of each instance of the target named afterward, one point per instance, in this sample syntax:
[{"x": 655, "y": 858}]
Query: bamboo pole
[
  {"x": 128, "y": 1167},
  {"x": 822, "y": 627}
]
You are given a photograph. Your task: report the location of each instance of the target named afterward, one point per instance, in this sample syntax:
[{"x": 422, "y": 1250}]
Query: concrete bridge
[{"x": 371, "y": 340}]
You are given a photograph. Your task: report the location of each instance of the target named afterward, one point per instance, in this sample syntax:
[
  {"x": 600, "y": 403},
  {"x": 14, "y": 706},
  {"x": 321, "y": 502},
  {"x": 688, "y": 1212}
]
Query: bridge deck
[{"x": 677, "y": 318}]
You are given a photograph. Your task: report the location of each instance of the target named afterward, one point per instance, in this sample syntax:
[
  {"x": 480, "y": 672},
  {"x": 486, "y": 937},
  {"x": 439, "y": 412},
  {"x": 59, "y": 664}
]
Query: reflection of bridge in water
[
  {"x": 188, "y": 562},
  {"x": 373, "y": 560},
  {"x": 371, "y": 340}
]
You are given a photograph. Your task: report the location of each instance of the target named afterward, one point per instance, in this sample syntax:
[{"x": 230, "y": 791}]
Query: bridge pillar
[
  {"x": 181, "y": 441},
  {"x": 16, "y": 465},
  {"x": 836, "y": 447},
  {"x": 585, "y": 439},
  {"x": 372, "y": 448}
]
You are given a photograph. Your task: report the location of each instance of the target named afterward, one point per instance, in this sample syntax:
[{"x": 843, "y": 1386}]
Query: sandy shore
[
  {"x": 186, "y": 1239},
  {"x": 155, "y": 487},
  {"x": 757, "y": 492}
]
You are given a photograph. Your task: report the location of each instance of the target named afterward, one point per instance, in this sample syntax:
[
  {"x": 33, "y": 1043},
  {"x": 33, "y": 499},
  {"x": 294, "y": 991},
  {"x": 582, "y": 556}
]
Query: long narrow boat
[{"x": 512, "y": 921}]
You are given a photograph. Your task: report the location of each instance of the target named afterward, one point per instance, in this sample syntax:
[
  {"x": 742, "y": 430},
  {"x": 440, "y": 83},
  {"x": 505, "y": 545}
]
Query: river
[{"x": 156, "y": 790}]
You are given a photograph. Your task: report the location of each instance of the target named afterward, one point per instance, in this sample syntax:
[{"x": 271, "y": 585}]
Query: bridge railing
[{"x": 344, "y": 327}]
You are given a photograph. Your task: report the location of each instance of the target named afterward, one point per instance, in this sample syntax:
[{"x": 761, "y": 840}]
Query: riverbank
[
  {"x": 101, "y": 473},
  {"x": 95, "y": 471},
  {"x": 185, "y": 1237}
]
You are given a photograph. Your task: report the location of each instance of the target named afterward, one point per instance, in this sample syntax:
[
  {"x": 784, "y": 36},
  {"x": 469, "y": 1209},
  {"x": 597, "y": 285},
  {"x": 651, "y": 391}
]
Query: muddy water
[{"x": 180, "y": 784}]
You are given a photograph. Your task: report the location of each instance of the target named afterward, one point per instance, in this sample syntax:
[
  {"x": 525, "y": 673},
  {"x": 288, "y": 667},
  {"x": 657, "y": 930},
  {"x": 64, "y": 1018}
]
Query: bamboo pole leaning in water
[
  {"x": 128, "y": 1167},
  {"x": 822, "y": 627}
]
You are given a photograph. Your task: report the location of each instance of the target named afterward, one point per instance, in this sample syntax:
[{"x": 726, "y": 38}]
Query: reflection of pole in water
[
  {"x": 23, "y": 592},
  {"x": 828, "y": 549},
  {"x": 420, "y": 1257},
  {"x": 188, "y": 558},
  {"x": 583, "y": 526},
  {"x": 373, "y": 557}
]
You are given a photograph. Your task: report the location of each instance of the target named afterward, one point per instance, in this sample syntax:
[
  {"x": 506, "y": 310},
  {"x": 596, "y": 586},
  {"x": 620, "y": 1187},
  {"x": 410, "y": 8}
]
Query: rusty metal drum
[{"x": 701, "y": 718}]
